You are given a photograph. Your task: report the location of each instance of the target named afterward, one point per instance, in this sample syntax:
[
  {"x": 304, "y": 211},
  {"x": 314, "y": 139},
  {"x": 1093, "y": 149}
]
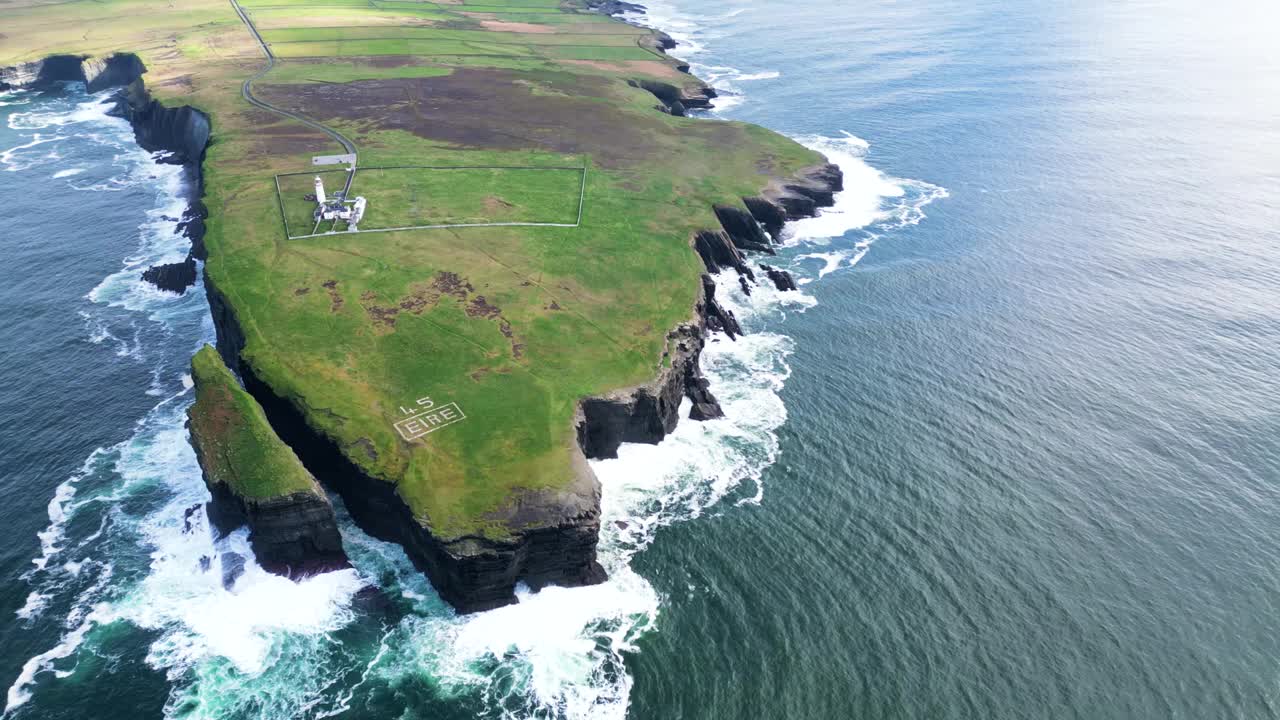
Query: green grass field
[
  {"x": 418, "y": 196},
  {"x": 415, "y": 196}
]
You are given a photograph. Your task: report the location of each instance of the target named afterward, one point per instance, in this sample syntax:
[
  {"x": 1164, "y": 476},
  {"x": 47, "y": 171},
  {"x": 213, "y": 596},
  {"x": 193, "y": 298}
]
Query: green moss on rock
[{"x": 236, "y": 444}]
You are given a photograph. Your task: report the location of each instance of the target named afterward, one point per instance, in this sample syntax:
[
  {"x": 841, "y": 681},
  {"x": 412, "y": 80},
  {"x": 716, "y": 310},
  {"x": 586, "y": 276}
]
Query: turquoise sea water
[{"x": 1014, "y": 451}]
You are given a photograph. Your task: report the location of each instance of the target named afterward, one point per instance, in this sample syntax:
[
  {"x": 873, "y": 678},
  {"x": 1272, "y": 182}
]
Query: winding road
[{"x": 247, "y": 91}]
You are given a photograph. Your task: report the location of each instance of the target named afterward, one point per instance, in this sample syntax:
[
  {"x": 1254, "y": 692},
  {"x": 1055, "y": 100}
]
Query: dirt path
[{"x": 247, "y": 91}]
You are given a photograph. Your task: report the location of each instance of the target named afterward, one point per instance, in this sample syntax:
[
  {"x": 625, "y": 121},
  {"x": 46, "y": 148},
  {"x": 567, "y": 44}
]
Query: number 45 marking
[{"x": 423, "y": 404}]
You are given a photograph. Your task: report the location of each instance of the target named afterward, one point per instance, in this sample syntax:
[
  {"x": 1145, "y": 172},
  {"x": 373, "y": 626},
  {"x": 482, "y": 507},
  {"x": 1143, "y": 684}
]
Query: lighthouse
[{"x": 320, "y": 198}]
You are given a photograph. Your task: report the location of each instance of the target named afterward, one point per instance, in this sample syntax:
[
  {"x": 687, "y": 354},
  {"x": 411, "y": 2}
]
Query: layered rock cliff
[
  {"x": 553, "y": 533},
  {"x": 256, "y": 480}
]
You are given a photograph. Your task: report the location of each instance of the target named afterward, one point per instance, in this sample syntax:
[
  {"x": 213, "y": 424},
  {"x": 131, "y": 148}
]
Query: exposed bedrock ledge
[
  {"x": 295, "y": 536},
  {"x": 799, "y": 197},
  {"x": 718, "y": 252},
  {"x": 743, "y": 229},
  {"x": 650, "y": 412},
  {"x": 755, "y": 228},
  {"x": 172, "y": 277},
  {"x": 677, "y": 100}
]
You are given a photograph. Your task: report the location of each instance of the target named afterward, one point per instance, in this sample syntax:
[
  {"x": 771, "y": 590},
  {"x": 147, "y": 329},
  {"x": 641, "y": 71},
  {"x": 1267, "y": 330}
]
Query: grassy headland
[{"x": 514, "y": 325}]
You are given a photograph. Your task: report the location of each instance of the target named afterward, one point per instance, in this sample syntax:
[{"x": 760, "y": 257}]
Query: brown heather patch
[{"x": 335, "y": 299}]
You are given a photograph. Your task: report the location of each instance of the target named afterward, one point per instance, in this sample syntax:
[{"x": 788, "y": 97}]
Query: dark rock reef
[
  {"x": 781, "y": 278},
  {"x": 172, "y": 277}
]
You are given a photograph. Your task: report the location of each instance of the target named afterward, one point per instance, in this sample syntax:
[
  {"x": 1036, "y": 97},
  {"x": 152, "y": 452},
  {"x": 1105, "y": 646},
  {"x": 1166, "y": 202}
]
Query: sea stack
[{"x": 256, "y": 479}]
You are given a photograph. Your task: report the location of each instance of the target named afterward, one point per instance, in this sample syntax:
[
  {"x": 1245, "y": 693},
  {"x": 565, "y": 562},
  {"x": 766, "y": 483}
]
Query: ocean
[{"x": 1013, "y": 451}]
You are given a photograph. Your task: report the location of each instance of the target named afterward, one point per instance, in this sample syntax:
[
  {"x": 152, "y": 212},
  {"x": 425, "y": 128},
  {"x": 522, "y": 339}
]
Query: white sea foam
[
  {"x": 767, "y": 75},
  {"x": 92, "y": 111},
  {"x": 67, "y": 173},
  {"x": 199, "y": 618},
  {"x": 264, "y": 646},
  {"x": 83, "y": 617},
  {"x": 35, "y": 604}
]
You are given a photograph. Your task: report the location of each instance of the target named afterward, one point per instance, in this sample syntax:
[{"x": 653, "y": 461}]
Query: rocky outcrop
[
  {"x": 781, "y": 278},
  {"x": 743, "y": 230},
  {"x": 718, "y": 252},
  {"x": 295, "y": 535},
  {"x": 255, "y": 480},
  {"x": 755, "y": 228},
  {"x": 799, "y": 197},
  {"x": 650, "y": 412},
  {"x": 192, "y": 225},
  {"x": 677, "y": 100},
  {"x": 716, "y": 318},
  {"x": 172, "y": 277},
  {"x": 770, "y": 216}
]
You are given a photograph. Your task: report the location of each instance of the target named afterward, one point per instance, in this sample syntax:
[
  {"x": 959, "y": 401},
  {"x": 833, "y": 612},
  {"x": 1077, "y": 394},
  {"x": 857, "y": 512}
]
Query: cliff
[
  {"x": 554, "y": 532},
  {"x": 181, "y": 133},
  {"x": 257, "y": 480},
  {"x": 540, "y": 535}
]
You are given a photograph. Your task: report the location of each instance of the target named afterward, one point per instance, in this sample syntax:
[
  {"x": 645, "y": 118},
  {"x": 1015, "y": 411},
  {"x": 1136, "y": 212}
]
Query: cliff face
[
  {"x": 294, "y": 535},
  {"x": 182, "y": 131},
  {"x": 648, "y": 413},
  {"x": 257, "y": 480},
  {"x": 554, "y": 533}
]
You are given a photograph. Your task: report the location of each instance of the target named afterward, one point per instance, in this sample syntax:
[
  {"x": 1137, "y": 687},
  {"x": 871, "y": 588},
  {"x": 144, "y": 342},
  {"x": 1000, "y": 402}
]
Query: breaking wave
[{"x": 127, "y": 543}]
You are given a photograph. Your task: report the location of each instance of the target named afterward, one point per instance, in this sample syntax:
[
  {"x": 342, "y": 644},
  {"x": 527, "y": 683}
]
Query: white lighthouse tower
[{"x": 320, "y": 197}]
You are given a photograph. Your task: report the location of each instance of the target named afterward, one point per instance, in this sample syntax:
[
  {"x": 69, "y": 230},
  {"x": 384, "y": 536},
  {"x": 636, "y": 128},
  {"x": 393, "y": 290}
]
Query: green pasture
[{"x": 404, "y": 197}]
